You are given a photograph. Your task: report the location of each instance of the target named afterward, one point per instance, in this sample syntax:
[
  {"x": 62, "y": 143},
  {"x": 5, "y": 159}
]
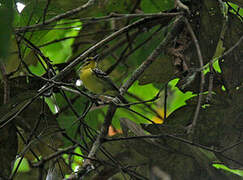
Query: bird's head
[{"x": 89, "y": 62}]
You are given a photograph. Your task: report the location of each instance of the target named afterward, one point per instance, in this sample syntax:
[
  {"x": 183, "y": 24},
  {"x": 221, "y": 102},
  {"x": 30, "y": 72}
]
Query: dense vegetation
[{"x": 178, "y": 64}]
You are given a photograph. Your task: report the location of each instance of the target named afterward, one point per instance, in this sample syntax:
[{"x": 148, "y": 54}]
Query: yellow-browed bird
[{"x": 97, "y": 81}]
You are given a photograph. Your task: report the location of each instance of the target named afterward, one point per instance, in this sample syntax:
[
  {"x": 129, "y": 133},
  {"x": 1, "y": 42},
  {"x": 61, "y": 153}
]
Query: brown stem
[{"x": 194, "y": 121}]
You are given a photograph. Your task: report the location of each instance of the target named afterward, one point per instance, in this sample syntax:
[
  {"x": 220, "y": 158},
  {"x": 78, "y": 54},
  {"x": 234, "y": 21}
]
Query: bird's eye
[{"x": 89, "y": 59}]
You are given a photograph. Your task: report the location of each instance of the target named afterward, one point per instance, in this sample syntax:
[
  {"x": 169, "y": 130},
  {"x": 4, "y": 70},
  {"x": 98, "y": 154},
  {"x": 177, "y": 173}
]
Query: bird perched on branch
[{"x": 97, "y": 81}]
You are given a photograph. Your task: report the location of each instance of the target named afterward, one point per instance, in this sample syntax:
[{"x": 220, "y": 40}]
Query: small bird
[{"x": 97, "y": 81}]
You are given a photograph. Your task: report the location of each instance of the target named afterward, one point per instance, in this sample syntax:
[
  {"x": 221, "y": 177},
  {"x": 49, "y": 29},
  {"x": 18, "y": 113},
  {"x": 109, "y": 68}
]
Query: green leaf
[
  {"x": 234, "y": 171},
  {"x": 59, "y": 52},
  {"x": 144, "y": 92},
  {"x": 78, "y": 159},
  {"x": 23, "y": 167},
  {"x": 235, "y": 5},
  {"x": 179, "y": 98}
]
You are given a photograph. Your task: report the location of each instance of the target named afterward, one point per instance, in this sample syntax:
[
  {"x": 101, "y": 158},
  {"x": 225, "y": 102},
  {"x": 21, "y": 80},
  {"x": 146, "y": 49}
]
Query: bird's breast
[{"x": 91, "y": 82}]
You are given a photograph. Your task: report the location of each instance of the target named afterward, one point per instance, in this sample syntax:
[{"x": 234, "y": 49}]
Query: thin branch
[
  {"x": 45, "y": 11},
  {"x": 103, "y": 133},
  {"x": 58, "y": 17},
  {"x": 238, "y": 14},
  {"x": 138, "y": 72},
  {"x": 87, "y": 165},
  {"x": 218, "y": 152},
  {"x": 119, "y": 44},
  {"x": 121, "y": 58},
  {"x": 231, "y": 146},
  {"x": 225, "y": 54},
  {"x": 136, "y": 24},
  {"x": 91, "y": 20},
  {"x": 9, "y": 117},
  {"x": 122, "y": 16},
  {"x": 211, "y": 69},
  {"x": 153, "y": 35},
  {"x": 72, "y": 37},
  {"x": 182, "y": 6},
  {"x": 25, "y": 143},
  {"x": 200, "y": 58},
  {"x": 54, "y": 155},
  {"x": 161, "y": 136}
]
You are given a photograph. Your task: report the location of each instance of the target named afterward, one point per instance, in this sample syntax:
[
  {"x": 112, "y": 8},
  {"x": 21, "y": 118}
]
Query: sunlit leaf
[
  {"x": 235, "y": 171},
  {"x": 24, "y": 166}
]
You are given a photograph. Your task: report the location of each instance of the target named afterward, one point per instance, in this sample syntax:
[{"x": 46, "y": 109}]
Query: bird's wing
[
  {"x": 99, "y": 73},
  {"x": 102, "y": 75}
]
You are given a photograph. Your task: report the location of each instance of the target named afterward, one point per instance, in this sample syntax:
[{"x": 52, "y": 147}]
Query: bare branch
[
  {"x": 58, "y": 17},
  {"x": 194, "y": 121},
  {"x": 137, "y": 73}
]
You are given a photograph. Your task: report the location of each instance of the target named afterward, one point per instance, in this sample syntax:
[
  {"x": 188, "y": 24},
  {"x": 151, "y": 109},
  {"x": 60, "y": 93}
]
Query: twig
[
  {"x": 231, "y": 146},
  {"x": 58, "y": 17},
  {"x": 136, "y": 24},
  {"x": 45, "y": 11},
  {"x": 8, "y": 118},
  {"x": 25, "y": 143},
  {"x": 182, "y": 6},
  {"x": 238, "y": 14},
  {"x": 28, "y": 142},
  {"x": 144, "y": 42},
  {"x": 91, "y": 20},
  {"x": 119, "y": 16},
  {"x": 72, "y": 37},
  {"x": 103, "y": 133},
  {"x": 162, "y": 136},
  {"x": 211, "y": 69},
  {"x": 136, "y": 74},
  {"x": 87, "y": 165},
  {"x": 140, "y": 114},
  {"x": 54, "y": 155},
  {"x": 194, "y": 121},
  {"x": 225, "y": 54},
  {"x": 179, "y": 139},
  {"x": 119, "y": 44},
  {"x": 121, "y": 58}
]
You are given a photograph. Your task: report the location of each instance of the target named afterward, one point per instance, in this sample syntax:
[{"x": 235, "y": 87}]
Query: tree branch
[
  {"x": 194, "y": 38},
  {"x": 136, "y": 74},
  {"x": 58, "y": 17}
]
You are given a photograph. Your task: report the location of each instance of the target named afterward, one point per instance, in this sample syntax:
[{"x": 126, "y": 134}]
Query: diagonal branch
[
  {"x": 58, "y": 17},
  {"x": 112, "y": 108},
  {"x": 136, "y": 24},
  {"x": 160, "y": 48}
]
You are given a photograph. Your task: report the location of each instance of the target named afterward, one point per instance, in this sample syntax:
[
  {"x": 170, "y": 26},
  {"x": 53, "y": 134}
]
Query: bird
[{"x": 97, "y": 81}]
